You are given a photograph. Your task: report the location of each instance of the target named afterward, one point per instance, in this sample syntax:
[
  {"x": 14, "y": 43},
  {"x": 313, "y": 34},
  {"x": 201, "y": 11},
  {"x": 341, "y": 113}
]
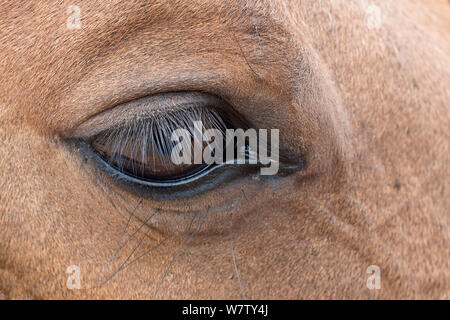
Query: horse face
[{"x": 358, "y": 92}]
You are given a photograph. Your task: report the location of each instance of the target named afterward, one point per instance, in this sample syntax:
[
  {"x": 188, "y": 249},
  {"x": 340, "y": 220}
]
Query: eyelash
[
  {"x": 154, "y": 132},
  {"x": 158, "y": 127}
]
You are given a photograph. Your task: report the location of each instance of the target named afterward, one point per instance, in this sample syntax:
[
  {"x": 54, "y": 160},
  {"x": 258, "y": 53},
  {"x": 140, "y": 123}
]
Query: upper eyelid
[
  {"x": 153, "y": 130},
  {"x": 145, "y": 107}
]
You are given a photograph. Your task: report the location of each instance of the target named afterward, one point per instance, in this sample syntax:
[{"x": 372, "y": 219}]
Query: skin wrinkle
[{"x": 366, "y": 108}]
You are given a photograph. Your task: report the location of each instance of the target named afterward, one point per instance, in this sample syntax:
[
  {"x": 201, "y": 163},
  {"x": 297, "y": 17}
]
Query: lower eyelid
[{"x": 208, "y": 182}]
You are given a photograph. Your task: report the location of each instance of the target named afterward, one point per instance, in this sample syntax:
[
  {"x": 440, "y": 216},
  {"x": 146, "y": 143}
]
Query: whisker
[
  {"x": 137, "y": 230},
  {"x": 234, "y": 258},
  {"x": 126, "y": 226},
  {"x": 177, "y": 253},
  {"x": 119, "y": 241},
  {"x": 124, "y": 265},
  {"x": 150, "y": 250},
  {"x": 129, "y": 239},
  {"x": 245, "y": 57}
]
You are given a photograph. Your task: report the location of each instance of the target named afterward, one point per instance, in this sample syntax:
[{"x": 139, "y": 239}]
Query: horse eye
[{"x": 141, "y": 149}]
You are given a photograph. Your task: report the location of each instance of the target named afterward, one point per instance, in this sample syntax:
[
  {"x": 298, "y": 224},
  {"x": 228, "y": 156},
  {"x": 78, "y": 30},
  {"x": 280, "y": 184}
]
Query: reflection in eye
[{"x": 142, "y": 148}]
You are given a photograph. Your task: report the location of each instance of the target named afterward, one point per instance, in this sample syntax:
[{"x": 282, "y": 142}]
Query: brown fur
[{"x": 368, "y": 107}]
